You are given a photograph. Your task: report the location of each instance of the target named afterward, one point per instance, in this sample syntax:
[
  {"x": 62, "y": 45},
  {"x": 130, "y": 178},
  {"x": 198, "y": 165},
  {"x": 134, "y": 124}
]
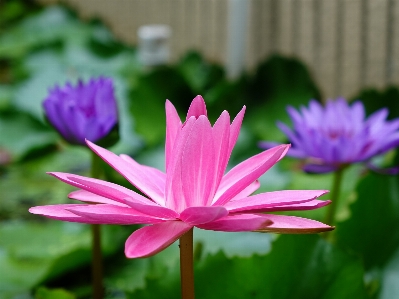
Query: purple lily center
[
  {"x": 88, "y": 111},
  {"x": 333, "y": 135},
  {"x": 336, "y": 134}
]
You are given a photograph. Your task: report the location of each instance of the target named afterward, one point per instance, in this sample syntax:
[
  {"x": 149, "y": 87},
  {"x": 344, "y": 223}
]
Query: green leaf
[
  {"x": 278, "y": 82},
  {"x": 147, "y": 101},
  {"x": 241, "y": 244},
  {"x": 44, "y": 293},
  {"x": 300, "y": 180},
  {"x": 6, "y": 92},
  {"x": 374, "y": 100},
  {"x": 22, "y": 134},
  {"x": 11, "y": 11},
  {"x": 373, "y": 230},
  {"x": 46, "y": 27},
  {"x": 31, "y": 253},
  {"x": 129, "y": 275},
  {"x": 198, "y": 73},
  {"x": 297, "y": 267},
  {"x": 27, "y": 183},
  {"x": 389, "y": 278}
]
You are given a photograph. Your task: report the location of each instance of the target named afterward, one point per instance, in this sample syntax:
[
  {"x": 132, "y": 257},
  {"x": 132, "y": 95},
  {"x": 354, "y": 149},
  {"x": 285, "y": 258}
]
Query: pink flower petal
[
  {"x": 221, "y": 135},
  {"x": 89, "y": 197},
  {"x": 133, "y": 174},
  {"x": 267, "y": 200},
  {"x": 173, "y": 126},
  {"x": 150, "y": 240},
  {"x": 309, "y": 205},
  {"x": 59, "y": 212},
  {"x": 247, "y": 191},
  {"x": 174, "y": 182},
  {"x": 198, "y": 172},
  {"x": 155, "y": 211},
  {"x": 235, "y": 129},
  {"x": 238, "y": 223},
  {"x": 102, "y": 188},
  {"x": 294, "y": 225},
  {"x": 110, "y": 214},
  {"x": 197, "y": 107},
  {"x": 247, "y": 172},
  {"x": 157, "y": 177},
  {"x": 200, "y": 215}
]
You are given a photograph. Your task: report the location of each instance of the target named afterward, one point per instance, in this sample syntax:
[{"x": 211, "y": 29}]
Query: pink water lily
[{"x": 194, "y": 191}]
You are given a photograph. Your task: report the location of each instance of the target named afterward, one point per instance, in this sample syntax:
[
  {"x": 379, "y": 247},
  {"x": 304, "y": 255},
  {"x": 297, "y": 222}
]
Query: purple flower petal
[
  {"x": 86, "y": 111},
  {"x": 337, "y": 134}
]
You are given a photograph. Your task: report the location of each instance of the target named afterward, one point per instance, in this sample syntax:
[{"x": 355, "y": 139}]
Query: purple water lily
[
  {"x": 84, "y": 111},
  {"x": 338, "y": 134}
]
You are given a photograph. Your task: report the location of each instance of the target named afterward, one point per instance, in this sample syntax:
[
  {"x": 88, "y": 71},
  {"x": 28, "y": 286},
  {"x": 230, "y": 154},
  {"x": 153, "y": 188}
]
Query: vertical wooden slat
[
  {"x": 317, "y": 19},
  {"x": 264, "y": 28},
  {"x": 327, "y": 48},
  {"x": 204, "y": 24},
  {"x": 176, "y": 22},
  {"x": 375, "y": 73},
  {"x": 389, "y": 50},
  {"x": 254, "y": 50},
  {"x": 339, "y": 32},
  {"x": 295, "y": 26},
  {"x": 221, "y": 24},
  {"x": 351, "y": 48},
  {"x": 213, "y": 29},
  {"x": 285, "y": 23},
  {"x": 305, "y": 32},
  {"x": 395, "y": 44},
  {"x": 364, "y": 25},
  {"x": 274, "y": 26}
]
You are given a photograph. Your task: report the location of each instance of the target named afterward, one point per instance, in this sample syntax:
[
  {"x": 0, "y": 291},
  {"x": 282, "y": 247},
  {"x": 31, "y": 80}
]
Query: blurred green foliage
[{"x": 39, "y": 258}]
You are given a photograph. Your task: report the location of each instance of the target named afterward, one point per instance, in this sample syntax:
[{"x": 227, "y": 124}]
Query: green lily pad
[
  {"x": 278, "y": 82},
  {"x": 147, "y": 101},
  {"x": 374, "y": 100},
  {"x": 22, "y": 134},
  {"x": 31, "y": 253},
  {"x": 44, "y": 293},
  {"x": 297, "y": 267},
  {"x": 373, "y": 229}
]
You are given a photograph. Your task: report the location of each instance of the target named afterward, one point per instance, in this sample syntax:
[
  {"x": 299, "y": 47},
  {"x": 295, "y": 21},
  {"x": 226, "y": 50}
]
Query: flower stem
[
  {"x": 96, "y": 260},
  {"x": 336, "y": 188},
  {"x": 186, "y": 265}
]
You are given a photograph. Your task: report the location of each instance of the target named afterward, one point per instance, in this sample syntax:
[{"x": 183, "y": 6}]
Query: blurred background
[
  {"x": 347, "y": 45},
  {"x": 265, "y": 54}
]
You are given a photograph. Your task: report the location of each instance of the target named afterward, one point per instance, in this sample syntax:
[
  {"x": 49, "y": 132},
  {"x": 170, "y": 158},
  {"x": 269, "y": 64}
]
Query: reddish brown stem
[
  {"x": 186, "y": 265},
  {"x": 97, "y": 267}
]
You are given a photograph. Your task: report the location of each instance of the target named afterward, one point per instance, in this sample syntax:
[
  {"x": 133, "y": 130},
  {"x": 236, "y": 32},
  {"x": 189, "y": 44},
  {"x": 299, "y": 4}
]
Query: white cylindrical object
[
  {"x": 238, "y": 11},
  {"x": 153, "y": 47}
]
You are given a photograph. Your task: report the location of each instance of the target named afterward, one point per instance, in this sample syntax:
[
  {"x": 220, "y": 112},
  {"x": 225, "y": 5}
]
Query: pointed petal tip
[
  {"x": 241, "y": 113},
  {"x": 33, "y": 210},
  {"x": 197, "y": 107},
  {"x": 199, "y": 98},
  {"x": 169, "y": 104},
  {"x": 293, "y": 225},
  {"x": 89, "y": 143},
  {"x": 55, "y": 174},
  {"x": 295, "y": 231}
]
